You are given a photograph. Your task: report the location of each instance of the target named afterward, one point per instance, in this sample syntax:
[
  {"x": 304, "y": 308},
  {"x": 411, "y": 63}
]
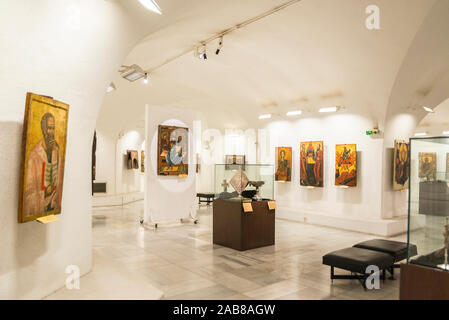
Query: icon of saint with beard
[{"x": 43, "y": 177}]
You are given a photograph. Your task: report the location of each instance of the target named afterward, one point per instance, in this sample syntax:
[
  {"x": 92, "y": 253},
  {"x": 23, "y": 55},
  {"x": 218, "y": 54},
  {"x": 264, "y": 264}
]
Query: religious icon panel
[
  {"x": 132, "y": 159},
  {"x": 427, "y": 165},
  {"x": 311, "y": 164},
  {"x": 43, "y": 157},
  {"x": 346, "y": 165},
  {"x": 173, "y": 146},
  {"x": 401, "y": 165},
  {"x": 233, "y": 162},
  {"x": 283, "y": 164}
]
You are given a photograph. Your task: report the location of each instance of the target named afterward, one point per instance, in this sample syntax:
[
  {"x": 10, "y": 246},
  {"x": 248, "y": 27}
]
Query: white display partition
[{"x": 168, "y": 198}]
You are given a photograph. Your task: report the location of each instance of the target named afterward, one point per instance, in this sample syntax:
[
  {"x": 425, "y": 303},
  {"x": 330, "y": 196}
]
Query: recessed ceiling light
[
  {"x": 294, "y": 113},
  {"x": 428, "y": 109},
  {"x": 420, "y": 134},
  {"x": 265, "y": 116},
  {"x": 329, "y": 109},
  {"x": 151, "y": 5},
  {"x": 446, "y": 132},
  {"x": 111, "y": 87}
]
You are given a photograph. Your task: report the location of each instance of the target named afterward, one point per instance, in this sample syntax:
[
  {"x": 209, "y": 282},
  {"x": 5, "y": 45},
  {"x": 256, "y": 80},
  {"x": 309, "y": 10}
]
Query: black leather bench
[
  {"x": 398, "y": 250},
  {"x": 208, "y": 196},
  {"x": 357, "y": 260},
  {"x": 378, "y": 252}
]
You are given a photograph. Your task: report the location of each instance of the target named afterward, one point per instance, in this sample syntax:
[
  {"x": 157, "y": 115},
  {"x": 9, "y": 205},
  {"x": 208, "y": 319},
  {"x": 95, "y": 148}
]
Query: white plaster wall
[
  {"x": 168, "y": 198},
  {"x": 362, "y": 201},
  {"x": 106, "y": 160},
  {"x": 68, "y": 49}
]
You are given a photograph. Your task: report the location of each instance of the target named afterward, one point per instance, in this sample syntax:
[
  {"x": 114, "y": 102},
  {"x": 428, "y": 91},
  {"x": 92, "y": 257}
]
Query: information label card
[
  {"x": 47, "y": 219},
  {"x": 247, "y": 207}
]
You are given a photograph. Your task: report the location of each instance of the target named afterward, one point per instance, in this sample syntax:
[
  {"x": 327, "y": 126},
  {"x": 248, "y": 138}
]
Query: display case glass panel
[
  {"x": 244, "y": 182},
  {"x": 429, "y": 201}
]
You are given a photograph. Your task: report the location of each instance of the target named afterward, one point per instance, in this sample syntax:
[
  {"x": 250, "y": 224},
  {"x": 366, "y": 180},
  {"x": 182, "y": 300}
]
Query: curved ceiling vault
[{"x": 314, "y": 53}]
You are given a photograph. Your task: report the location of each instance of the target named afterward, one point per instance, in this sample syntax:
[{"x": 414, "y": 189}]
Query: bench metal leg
[
  {"x": 391, "y": 270},
  {"x": 353, "y": 276},
  {"x": 208, "y": 201}
]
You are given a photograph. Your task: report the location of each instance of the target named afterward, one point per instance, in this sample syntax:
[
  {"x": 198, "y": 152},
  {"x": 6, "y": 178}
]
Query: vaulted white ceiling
[{"x": 314, "y": 53}]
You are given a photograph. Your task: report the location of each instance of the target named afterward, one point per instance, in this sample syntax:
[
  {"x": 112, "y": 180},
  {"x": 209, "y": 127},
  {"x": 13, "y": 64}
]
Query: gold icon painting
[
  {"x": 346, "y": 165},
  {"x": 43, "y": 157}
]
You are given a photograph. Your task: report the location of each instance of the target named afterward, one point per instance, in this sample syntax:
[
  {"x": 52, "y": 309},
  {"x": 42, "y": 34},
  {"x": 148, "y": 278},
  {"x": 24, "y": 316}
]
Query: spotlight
[
  {"x": 145, "y": 78},
  {"x": 220, "y": 45},
  {"x": 420, "y": 134},
  {"x": 203, "y": 53},
  {"x": 111, "y": 87}
]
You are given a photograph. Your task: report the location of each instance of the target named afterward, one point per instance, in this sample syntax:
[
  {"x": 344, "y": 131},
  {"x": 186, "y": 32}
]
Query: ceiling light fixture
[
  {"x": 420, "y": 134},
  {"x": 132, "y": 73},
  {"x": 111, "y": 87},
  {"x": 145, "y": 79},
  {"x": 428, "y": 109},
  {"x": 151, "y": 5},
  {"x": 329, "y": 109},
  {"x": 265, "y": 116},
  {"x": 446, "y": 132},
  {"x": 294, "y": 113},
  {"x": 220, "y": 45}
]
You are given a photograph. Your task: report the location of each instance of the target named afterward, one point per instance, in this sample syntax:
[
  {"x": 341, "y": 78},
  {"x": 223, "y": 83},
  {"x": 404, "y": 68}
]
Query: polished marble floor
[{"x": 181, "y": 261}]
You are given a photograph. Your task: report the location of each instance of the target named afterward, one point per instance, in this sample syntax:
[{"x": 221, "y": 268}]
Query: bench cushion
[
  {"x": 205, "y": 195},
  {"x": 358, "y": 259},
  {"x": 395, "y": 248}
]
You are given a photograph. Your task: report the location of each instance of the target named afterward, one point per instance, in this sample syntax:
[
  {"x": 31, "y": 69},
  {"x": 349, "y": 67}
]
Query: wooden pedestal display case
[
  {"x": 234, "y": 228},
  {"x": 423, "y": 283}
]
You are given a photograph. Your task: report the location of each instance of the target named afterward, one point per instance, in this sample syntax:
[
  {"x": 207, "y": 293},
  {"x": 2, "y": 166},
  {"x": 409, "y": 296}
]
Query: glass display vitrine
[
  {"x": 429, "y": 201},
  {"x": 243, "y": 182}
]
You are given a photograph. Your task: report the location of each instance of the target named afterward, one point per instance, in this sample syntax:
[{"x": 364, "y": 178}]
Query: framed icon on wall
[{"x": 43, "y": 157}]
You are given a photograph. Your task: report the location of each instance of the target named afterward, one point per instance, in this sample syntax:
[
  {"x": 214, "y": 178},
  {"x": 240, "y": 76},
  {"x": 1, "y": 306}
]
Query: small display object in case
[
  {"x": 429, "y": 202},
  {"x": 244, "y": 182}
]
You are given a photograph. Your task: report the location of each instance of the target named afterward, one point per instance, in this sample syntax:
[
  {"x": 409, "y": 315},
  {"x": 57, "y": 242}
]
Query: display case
[
  {"x": 244, "y": 182},
  {"x": 429, "y": 202},
  {"x": 244, "y": 209}
]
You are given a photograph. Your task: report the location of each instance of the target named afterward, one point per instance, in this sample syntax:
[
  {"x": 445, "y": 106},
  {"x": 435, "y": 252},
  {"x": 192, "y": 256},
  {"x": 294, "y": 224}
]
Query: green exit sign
[{"x": 371, "y": 132}]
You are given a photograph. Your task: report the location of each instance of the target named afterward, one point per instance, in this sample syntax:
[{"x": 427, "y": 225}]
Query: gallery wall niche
[{"x": 119, "y": 165}]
